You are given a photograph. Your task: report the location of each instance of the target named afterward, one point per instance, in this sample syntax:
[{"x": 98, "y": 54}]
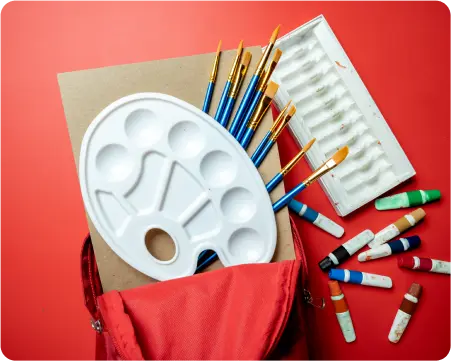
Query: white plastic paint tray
[
  {"x": 334, "y": 106},
  {"x": 153, "y": 161}
]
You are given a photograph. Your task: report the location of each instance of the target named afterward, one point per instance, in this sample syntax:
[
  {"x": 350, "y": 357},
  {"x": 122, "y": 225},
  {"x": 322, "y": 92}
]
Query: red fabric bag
[{"x": 247, "y": 312}]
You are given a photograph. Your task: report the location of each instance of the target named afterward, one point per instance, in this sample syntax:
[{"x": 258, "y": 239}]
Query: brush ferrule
[
  {"x": 281, "y": 127},
  {"x": 234, "y": 68},
  {"x": 267, "y": 76},
  {"x": 264, "y": 58},
  {"x": 238, "y": 80},
  {"x": 259, "y": 112},
  {"x": 214, "y": 72},
  {"x": 326, "y": 167},
  {"x": 292, "y": 162}
]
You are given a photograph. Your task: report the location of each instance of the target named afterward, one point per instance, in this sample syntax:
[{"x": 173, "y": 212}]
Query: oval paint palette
[{"x": 151, "y": 161}]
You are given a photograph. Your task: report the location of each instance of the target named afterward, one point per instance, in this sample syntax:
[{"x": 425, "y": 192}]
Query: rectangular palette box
[{"x": 334, "y": 106}]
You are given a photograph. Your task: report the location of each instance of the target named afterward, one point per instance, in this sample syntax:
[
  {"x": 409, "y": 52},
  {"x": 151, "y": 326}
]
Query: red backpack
[{"x": 253, "y": 311}]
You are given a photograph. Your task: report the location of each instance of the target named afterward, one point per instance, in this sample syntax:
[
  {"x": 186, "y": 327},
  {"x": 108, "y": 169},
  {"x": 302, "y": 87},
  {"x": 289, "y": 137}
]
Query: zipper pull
[
  {"x": 317, "y": 302},
  {"x": 96, "y": 325}
]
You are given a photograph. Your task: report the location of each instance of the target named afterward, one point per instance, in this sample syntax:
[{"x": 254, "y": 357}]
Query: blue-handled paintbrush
[
  {"x": 250, "y": 91},
  {"x": 211, "y": 84},
  {"x": 234, "y": 90},
  {"x": 274, "y": 182},
  {"x": 270, "y": 131},
  {"x": 260, "y": 111},
  {"x": 259, "y": 93},
  {"x": 273, "y": 138},
  {"x": 327, "y": 166},
  {"x": 228, "y": 84}
]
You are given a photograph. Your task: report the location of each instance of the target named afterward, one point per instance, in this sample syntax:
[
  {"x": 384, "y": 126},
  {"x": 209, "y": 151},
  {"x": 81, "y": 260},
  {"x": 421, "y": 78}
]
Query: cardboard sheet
[{"x": 85, "y": 93}]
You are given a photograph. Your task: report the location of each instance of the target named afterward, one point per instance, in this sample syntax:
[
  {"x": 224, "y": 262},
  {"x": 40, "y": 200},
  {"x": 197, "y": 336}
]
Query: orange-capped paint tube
[{"x": 342, "y": 311}]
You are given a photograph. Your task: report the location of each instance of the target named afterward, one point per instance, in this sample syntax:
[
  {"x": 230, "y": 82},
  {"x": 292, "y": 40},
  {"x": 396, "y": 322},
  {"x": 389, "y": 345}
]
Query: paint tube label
[
  {"x": 356, "y": 243},
  {"x": 345, "y": 321},
  {"x": 329, "y": 226},
  {"x": 376, "y": 280},
  {"x": 384, "y": 236},
  {"x": 440, "y": 267},
  {"x": 399, "y": 325},
  {"x": 375, "y": 253}
]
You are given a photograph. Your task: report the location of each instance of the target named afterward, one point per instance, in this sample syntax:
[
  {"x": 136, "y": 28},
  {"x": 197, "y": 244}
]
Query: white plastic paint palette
[
  {"x": 153, "y": 161},
  {"x": 334, "y": 106}
]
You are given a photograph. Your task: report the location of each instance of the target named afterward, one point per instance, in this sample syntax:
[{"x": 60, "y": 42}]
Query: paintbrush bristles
[
  {"x": 240, "y": 47},
  {"x": 274, "y": 35},
  {"x": 247, "y": 58},
  {"x": 277, "y": 55},
  {"x": 297, "y": 158},
  {"x": 279, "y": 118},
  {"x": 292, "y": 111},
  {"x": 340, "y": 155},
  {"x": 219, "y": 47},
  {"x": 271, "y": 89},
  {"x": 327, "y": 166},
  {"x": 309, "y": 145}
]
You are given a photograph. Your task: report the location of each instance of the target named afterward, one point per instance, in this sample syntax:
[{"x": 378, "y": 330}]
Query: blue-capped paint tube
[
  {"x": 387, "y": 249},
  {"x": 316, "y": 218},
  {"x": 211, "y": 83},
  {"x": 361, "y": 278}
]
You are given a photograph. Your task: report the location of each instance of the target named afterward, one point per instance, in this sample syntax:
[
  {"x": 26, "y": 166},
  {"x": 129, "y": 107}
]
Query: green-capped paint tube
[{"x": 407, "y": 199}]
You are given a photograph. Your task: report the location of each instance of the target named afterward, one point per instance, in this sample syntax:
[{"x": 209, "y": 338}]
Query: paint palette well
[
  {"x": 334, "y": 106},
  {"x": 151, "y": 161}
]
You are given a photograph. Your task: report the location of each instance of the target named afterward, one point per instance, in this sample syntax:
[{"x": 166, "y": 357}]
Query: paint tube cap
[
  {"x": 415, "y": 290},
  {"x": 326, "y": 264},
  {"x": 406, "y": 262},
  {"x": 337, "y": 274},
  {"x": 334, "y": 288},
  {"x": 418, "y": 214},
  {"x": 295, "y": 206},
  {"x": 432, "y": 195},
  {"x": 414, "y": 241}
]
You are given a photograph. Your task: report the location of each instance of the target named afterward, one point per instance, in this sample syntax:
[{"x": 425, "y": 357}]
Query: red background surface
[{"x": 401, "y": 51}]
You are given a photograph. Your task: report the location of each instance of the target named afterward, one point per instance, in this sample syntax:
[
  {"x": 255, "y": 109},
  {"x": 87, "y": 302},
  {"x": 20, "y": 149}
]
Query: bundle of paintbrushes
[{"x": 256, "y": 101}]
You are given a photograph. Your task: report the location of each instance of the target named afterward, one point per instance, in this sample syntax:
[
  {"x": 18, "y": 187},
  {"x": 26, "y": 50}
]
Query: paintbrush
[
  {"x": 330, "y": 164},
  {"x": 273, "y": 137},
  {"x": 211, "y": 84},
  {"x": 284, "y": 171},
  {"x": 228, "y": 84},
  {"x": 270, "y": 131},
  {"x": 259, "y": 93},
  {"x": 234, "y": 90},
  {"x": 260, "y": 111},
  {"x": 250, "y": 91}
]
